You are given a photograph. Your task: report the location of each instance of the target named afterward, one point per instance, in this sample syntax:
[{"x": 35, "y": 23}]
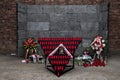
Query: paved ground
[{"x": 11, "y": 68}]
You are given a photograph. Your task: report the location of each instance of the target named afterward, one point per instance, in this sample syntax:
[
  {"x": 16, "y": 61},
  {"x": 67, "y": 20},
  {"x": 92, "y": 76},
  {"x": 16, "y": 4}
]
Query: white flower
[
  {"x": 103, "y": 41},
  {"x": 104, "y": 45},
  {"x": 95, "y": 44}
]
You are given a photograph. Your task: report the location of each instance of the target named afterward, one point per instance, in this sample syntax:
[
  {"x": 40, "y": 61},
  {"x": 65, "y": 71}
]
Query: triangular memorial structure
[{"x": 59, "y": 53}]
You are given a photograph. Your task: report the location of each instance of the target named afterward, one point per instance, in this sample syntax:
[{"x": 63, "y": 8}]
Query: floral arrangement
[
  {"x": 30, "y": 44},
  {"x": 31, "y": 54},
  {"x": 36, "y": 58},
  {"x": 98, "y": 46},
  {"x": 85, "y": 58}
]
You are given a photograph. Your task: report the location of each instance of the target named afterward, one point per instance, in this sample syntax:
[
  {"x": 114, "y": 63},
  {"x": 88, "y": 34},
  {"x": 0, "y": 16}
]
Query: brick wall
[
  {"x": 114, "y": 25},
  {"x": 8, "y": 21},
  {"x": 8, "y": 24}
]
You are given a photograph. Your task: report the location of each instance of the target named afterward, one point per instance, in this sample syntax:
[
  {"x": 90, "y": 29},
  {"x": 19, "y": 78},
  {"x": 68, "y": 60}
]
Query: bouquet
[{"x": 30, "y": 44}]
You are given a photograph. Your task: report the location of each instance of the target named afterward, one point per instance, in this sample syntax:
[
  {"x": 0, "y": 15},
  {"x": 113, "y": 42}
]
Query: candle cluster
[
  {"x": 49, "y": 44},
  {"x": 53, "y": 47},
  {"x": 59, "y": 57},
  {"x": 59, "y": 62},
  {"x": 47, "y": 52},
  {"x": 59, "y": 68},
  {"x": 49, "y": 39}
]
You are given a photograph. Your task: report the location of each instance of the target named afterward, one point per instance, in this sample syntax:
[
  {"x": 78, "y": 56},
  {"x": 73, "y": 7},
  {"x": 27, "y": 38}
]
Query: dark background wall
[{"x": 8, "y": 21}]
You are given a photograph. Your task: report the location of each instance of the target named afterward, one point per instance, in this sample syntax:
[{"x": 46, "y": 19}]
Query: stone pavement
[{"x": 11, "y": 68}]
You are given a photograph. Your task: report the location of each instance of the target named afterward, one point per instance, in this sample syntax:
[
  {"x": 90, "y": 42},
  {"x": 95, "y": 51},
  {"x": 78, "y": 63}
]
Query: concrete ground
[{"x": 11, "y": 68}]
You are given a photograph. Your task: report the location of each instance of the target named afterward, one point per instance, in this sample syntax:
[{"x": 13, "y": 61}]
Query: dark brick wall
[
  {"x": 8, "y": 21},
  {"x": 8, "y": 24},
  {"x": 114, "y": 25}
]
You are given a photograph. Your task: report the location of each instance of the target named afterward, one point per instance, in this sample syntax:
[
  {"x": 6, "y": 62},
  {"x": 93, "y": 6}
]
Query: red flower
[
  {"x": 34, "y": 44},
  {"x": 85, "y": 65},
  {"x": 26, "y": 43},
  {"x": 30, "y": 43},
  {"x": 30, "y": 40}
]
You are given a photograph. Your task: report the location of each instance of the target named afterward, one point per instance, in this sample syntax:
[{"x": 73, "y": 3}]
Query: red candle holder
[{"x": 59, "y": 62}]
